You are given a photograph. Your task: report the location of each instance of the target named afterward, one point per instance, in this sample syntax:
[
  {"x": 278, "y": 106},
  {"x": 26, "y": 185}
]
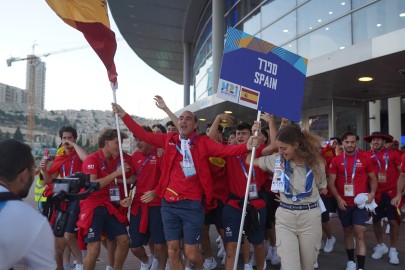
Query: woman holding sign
[{"x": 299, "y": 172}]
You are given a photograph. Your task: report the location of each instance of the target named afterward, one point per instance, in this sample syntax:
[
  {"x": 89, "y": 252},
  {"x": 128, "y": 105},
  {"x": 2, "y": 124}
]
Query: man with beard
[
  {"x": 185, "y": 178},
  {"x": 26, "y": 236},
  {"x": 348, "y": 177},
  {"x": 68, "y": 162},
  {"x": 386, "y": 165}
]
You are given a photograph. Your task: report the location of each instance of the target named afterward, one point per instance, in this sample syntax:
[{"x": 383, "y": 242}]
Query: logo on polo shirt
[{"x": 90, "y": 166}]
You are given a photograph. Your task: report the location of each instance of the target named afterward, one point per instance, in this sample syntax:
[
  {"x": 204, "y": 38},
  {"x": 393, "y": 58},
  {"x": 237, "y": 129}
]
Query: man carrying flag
[{"x": 185, "y": 178}]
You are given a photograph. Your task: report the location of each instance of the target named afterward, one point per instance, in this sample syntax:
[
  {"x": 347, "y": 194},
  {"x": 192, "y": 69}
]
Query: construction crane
[{"x": 32, "y": 65}]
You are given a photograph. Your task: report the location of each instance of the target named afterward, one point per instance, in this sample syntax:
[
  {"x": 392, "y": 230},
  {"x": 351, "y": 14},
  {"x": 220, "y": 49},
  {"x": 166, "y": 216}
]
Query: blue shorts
[
  {"x": 271, "y": 208},
  {"x": 74, "y": 210},
  {"x": 155, "y": 228},
  {"x": 353, "y": 216},
  {"x": 183, "y": 219},
  {"x": 215, "y": 215},
  {"x": 104, "y": 222},
  {"x": 385, "y": 209},
  {"x": 231, "y": 218}
]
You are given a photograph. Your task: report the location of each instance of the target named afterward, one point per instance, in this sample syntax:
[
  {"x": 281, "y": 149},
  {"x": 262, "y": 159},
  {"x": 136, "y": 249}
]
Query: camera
[{"x": 74, "y": 187}]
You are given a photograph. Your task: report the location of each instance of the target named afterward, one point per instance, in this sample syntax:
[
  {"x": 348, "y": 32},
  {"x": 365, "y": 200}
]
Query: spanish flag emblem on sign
[{"x": 249, "y": 96}]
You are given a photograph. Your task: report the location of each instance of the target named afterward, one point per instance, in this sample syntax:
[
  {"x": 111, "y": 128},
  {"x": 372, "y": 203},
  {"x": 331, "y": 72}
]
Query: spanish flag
[
  {"x": 249, "y": 96},
  {"x": 91, "y": 18}
]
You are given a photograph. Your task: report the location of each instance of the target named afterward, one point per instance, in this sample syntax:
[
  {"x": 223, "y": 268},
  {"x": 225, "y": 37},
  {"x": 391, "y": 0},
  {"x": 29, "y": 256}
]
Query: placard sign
[{"x": 262, "y": 76}]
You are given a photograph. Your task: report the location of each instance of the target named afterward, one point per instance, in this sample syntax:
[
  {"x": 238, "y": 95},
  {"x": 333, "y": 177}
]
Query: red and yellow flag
[
  {"x": 249, "y": 96},
  {"x": 91, "y": 18}
]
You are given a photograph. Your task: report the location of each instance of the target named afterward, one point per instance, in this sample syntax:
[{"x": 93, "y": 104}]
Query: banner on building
[{"x": 262, "y": 76}]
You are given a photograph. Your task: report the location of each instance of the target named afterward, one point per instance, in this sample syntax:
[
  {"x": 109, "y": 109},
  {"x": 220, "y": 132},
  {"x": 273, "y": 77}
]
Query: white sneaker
[
  {"x": 275, "y": 258},
  {"x": 146, "y": 266},
  {"x": 167, "y": 265},
  {"x": 351, "y": 265},
  {"x": 248, "y": 266},
  {"x": 210, "y": 263},
  {"x": 223, "y": 260},
  {"x": 269, "y": 254},
  {"x": 221, "y": 252},
  {"x": 393, "y": 254},
  {"x": 109, "y": 267},
  {"x": 252, "y": 261},
  {"x": 78, "y": 266},
  {"x": 329, "y": 244},
  {"x": 218, "y": 239},
  {"x": 379, "y": 251},
  {"x": 316, "y": 266},
  {"x": 155, "y": 264}
]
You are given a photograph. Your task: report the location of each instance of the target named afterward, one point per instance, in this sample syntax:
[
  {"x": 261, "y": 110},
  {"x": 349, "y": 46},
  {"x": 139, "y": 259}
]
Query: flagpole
[
  {"x": 124, "y": 180},
  {"x": 242, "y": 220}
]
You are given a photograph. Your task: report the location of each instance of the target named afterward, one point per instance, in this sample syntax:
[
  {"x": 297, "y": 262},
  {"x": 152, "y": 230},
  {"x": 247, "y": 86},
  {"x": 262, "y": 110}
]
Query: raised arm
[
  {"x": 155, "y": 139},
  {"x": 214, "y": 126},
  {"x": 82, "y": 153},
  {"x": 161, "y": 104}
]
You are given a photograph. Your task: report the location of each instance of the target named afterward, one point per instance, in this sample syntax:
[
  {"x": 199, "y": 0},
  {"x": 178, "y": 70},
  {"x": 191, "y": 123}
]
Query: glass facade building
[
  {"x": 308, "y": 28},
  {"x": 313, "y": 29}
]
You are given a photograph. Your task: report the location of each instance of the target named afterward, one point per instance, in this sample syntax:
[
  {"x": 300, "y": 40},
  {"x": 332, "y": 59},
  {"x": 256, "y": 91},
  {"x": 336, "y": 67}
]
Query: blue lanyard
[
  {"x": 308, "y": 183},
  {"x": 244, "y": 169},
  {"x": 354, "y": 166},
  {"x": 386, "y": 159},
  {"x": 143, "y": 164},
  {"x": 104, "y": 164},
  {"x": 71, "y": 167}
]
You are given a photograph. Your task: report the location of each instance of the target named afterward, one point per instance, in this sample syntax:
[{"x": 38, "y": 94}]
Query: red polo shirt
[
  {"x": 393, "y": 161},
  {"x": 360, "y": 181},
  {"x": 237, "y": 172}
]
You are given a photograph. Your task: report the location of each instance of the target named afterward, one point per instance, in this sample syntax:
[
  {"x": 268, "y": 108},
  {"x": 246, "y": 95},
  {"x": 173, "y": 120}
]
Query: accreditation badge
[
  {"x": 253, "y": 191},
  {"x": 114, "y": 193},
  {"x": 188, "y": 170},
  {"x": 382, "y": 177},
  {"x": 349, "y": 190},
  {"x": 277, "y": 185}
]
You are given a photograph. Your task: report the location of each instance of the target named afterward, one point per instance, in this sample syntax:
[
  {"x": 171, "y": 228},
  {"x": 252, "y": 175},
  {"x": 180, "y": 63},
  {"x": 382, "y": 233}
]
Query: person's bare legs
[{"x": 121, "y": 252}]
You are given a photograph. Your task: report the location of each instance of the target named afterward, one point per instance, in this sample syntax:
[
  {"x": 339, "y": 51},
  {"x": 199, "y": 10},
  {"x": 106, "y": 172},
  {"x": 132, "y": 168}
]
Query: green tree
[{"x": 18, "y": 135}]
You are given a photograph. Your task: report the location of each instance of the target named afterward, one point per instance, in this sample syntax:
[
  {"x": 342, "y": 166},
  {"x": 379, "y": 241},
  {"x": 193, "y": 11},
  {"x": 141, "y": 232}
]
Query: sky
[{"x": 77, "y": 79}]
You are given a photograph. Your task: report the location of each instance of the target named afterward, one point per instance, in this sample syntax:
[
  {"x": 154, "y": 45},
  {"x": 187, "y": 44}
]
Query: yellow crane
[{"x": 32, "y": 61}]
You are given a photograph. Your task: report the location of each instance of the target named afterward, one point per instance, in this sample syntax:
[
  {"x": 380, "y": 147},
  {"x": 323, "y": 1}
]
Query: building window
[{"x": 327, "y": 39}]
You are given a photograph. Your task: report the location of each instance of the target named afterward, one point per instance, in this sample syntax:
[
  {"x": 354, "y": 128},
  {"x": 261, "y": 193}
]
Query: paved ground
[{"x": 330, "y": 261}]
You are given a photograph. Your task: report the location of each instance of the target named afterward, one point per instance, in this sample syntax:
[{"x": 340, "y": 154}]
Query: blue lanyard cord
[
  {"x": 104, "y": 165},
  {"x": 71, "y": 167},
  {"x": 308, "y": 183},
  {"x": 354, "y": 166},
  {"x": 143, "y": 164},
  {"x": 244, "y": 169},
  {"x": 386, "y": 159}
]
